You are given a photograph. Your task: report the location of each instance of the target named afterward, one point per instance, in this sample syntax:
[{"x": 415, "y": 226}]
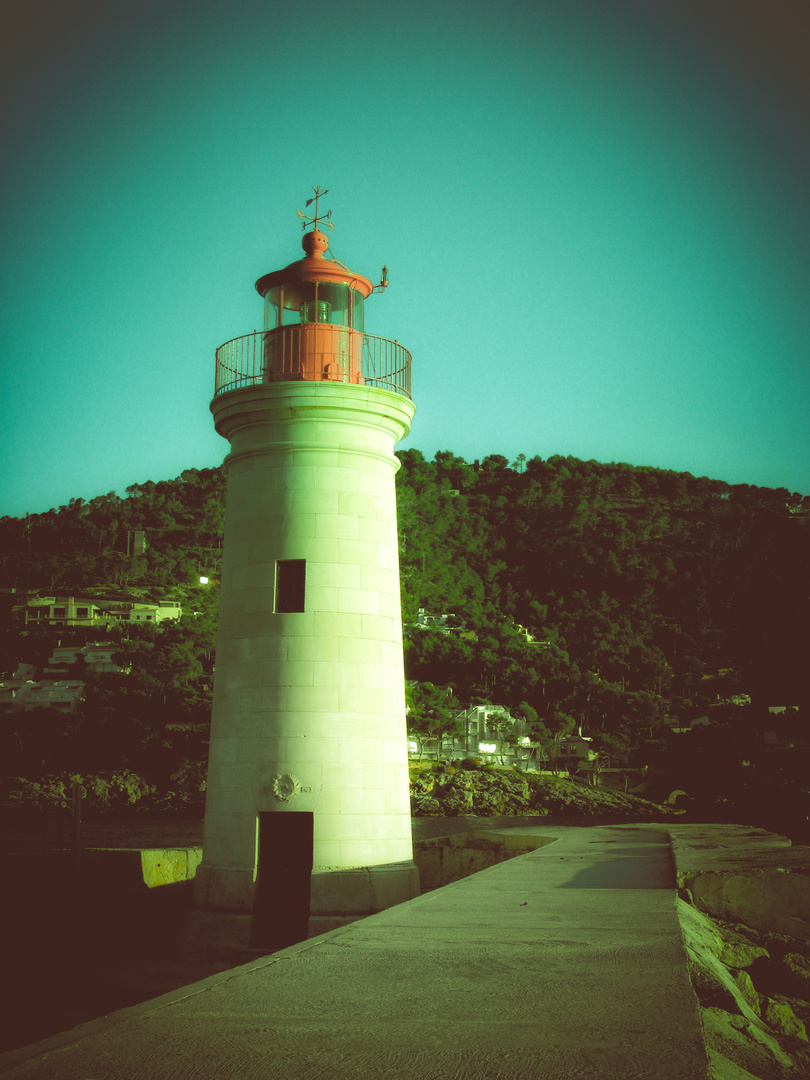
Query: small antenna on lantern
[{"x": 317, "y": 220}]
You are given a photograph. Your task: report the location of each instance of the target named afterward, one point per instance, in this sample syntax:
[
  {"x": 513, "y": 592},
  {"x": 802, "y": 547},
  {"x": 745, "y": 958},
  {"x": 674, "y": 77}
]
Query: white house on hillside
[{"x": 81, "y": 611}]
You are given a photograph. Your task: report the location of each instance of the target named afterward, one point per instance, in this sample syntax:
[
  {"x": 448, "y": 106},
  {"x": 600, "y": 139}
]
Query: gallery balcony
[{"x": 315, "y": 352}]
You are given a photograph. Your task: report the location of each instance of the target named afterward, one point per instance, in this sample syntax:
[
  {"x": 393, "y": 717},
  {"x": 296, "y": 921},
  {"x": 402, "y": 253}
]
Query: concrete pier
[{"x": 567, "y": 961}]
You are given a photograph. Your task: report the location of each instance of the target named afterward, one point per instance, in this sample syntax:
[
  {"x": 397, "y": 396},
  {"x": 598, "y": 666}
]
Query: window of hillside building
[
  {"x": 82, "y": 612},
  {"x": 59, "y": 612},
  {"x": 290, "y": 585}
]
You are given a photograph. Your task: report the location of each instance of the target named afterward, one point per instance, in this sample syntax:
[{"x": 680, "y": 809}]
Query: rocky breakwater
[
  {"x": 744, "y": 905},
  {"x": 469, "y": 789}
]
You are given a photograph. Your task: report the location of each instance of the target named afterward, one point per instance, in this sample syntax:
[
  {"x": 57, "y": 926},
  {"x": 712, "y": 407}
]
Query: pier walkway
[{"x": 566, "y": 962}]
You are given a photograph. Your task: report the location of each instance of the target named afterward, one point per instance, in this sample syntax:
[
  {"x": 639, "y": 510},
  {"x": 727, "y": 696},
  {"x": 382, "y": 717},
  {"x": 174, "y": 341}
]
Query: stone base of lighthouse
[
  {"x": 338, "y": 897},
  {"x": 307, "y": 818}
]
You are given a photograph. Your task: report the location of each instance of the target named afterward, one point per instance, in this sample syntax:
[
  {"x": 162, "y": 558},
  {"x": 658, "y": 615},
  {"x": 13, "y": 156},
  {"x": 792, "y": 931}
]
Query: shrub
[
  {"x": 103, "y": 791},
  {"x": 472, "y": 764}
]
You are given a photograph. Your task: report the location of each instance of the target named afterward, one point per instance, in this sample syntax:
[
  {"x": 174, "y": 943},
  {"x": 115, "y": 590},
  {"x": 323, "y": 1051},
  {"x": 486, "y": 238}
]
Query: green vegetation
[
  {"x": 581, "y": 593},
  {"x": 491, "y": 791},
  {"x": 637, "y": 582}
]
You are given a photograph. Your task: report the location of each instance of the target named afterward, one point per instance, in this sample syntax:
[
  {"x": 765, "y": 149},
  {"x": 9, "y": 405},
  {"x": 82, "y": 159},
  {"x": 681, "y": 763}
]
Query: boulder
[
  {"x": 736, "y": 952},
  {"x": 797, "y": 975},
  {"x": 748, "y": 991},
  {"x": 778, "y": 1014}
]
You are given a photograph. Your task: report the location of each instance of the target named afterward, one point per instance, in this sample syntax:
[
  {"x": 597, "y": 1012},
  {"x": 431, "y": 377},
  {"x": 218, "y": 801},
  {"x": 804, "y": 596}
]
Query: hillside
[{"x": 626, "y": 600}]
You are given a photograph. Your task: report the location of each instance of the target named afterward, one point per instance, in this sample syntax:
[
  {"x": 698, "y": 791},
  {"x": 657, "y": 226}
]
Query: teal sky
[{"x": 595, "y": 216}]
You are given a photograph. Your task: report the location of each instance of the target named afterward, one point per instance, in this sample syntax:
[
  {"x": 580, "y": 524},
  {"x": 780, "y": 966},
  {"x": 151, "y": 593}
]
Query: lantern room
[{"x": 313, "y": 318}]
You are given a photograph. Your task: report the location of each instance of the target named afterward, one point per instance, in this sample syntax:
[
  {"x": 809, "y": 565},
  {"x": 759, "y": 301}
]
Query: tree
[{"x": 434, "y": 713}]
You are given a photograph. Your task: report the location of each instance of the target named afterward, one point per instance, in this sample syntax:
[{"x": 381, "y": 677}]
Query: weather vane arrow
[{"x": 317, "y": 219}]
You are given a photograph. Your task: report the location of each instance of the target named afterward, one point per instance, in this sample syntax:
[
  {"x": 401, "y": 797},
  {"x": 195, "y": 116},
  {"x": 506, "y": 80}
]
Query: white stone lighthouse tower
[{"x": 307, "y": 820}]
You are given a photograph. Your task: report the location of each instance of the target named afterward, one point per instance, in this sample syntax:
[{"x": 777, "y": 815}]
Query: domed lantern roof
[
  {"x": 315, "y": 289},
  {"x": 314, "y": 267}
]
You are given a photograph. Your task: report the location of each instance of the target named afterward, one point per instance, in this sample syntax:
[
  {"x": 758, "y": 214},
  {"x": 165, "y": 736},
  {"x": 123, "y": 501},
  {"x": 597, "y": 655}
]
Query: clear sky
[{"x": 595, "y": 214}]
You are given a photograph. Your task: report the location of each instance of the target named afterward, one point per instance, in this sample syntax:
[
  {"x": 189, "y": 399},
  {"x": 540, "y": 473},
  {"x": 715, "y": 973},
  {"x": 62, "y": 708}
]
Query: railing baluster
[{"x": 247, "y": 360}]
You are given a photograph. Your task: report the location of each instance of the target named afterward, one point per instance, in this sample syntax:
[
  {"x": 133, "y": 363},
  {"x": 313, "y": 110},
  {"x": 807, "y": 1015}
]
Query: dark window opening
[{"x": 290, "y": 584}]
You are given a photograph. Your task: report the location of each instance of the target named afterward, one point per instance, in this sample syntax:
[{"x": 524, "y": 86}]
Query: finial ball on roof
[{"x": 315, "y": 243}]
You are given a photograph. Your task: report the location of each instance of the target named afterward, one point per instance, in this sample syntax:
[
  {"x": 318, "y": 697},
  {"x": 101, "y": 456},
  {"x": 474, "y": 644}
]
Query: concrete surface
[
  {"x": 743, "y": 874},
  {"x": 444, "y": 859},
  {"x": 566, "y": 962}
]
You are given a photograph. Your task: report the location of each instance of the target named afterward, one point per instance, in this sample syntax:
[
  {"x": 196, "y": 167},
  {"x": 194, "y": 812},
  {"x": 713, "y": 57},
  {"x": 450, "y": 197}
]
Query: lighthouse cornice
[
  {"x": 277, "y": 407},
  {"x": 312, "y": 269}
]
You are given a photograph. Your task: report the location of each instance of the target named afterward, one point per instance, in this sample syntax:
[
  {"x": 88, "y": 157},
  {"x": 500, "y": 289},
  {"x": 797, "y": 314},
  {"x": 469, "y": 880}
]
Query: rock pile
[
  {"x": 753, "y": 986},
  {"x": 467, "y": 788}
]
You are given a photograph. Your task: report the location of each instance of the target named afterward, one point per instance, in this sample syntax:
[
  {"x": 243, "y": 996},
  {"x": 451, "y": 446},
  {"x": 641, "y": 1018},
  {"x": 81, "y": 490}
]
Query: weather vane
[{"x": 316, "y": 220}]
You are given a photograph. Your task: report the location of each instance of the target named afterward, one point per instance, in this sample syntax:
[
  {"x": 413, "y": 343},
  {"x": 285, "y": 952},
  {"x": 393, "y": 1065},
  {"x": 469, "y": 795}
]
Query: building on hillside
[
  {"x": 529, "y": 637},
  {"x": 61, "y": 683},
  {"x": 136, "y": 542},
  {"x": 488, "y": 732},
  {"x": 576, "y": 752},
  {"x": 481, "y": 725},
  {"x": 96, "y": 611},
  {"x": 95, "y": 657},
  {"x": 61, "y": 695},
  {"x": 445, "y": 623}
]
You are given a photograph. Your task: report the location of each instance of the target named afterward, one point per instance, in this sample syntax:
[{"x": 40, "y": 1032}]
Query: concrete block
[
  {"x": 341, "y": 892},
  {"x": 337, "y": 625},
  {"x": 388, "y": 827},
  {"x": 292, "y": 526},
  {"x": 360, "y": 749},
  {"x": 298, "y": 673},
  {"x": 363, "y": 801},
  {"x": 319, "y": 650},
  {"x": 323, "y": 597},
  {"x": 225, "y": 887},
  {"x": 216, "y": 935},
  {"x": 375, "y": 852},
  {"x": 340, "y": 827},
  {"x": 360, "y": 701},
  {"x": 774, "y": 900},
  {"x": 165, "y": 866},
  {"x": 393, "y": 884},
  {"x": 358, "y": 600},
  {"x": 340, "y": 775},
  {"x": 316, "y": 698},
  {"x": 326, "y": 854},
  {"x": 346, "y": 673},
  {"x": 361, "y": 651},
  {"x": 297, "y": 475},
  {"x": 254, "y": 577},
  {"x": 388, "y": 775},
  {"x": 341, "y": 474},
  {"x": 380, "y": 628},
  {"x": 336, "y": 526},
  {"x": 310, "y": 750},
  {"x": 356, "y": 504}
]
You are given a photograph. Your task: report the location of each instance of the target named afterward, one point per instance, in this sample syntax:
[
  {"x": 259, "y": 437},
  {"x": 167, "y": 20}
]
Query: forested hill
[
  {"x": 637, "y": 578},
  {"x": 636, "y": 583}
]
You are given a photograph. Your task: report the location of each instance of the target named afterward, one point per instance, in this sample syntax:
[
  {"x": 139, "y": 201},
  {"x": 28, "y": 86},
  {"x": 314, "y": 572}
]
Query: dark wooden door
[{"x": 281, "y": 905}]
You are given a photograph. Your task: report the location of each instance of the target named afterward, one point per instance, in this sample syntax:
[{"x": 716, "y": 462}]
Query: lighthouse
[{"x": 307, "y": 817}]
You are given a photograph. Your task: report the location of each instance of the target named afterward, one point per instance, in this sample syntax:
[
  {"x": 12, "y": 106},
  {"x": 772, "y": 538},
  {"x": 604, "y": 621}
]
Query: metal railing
[{"x": 312, "y": 352}]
